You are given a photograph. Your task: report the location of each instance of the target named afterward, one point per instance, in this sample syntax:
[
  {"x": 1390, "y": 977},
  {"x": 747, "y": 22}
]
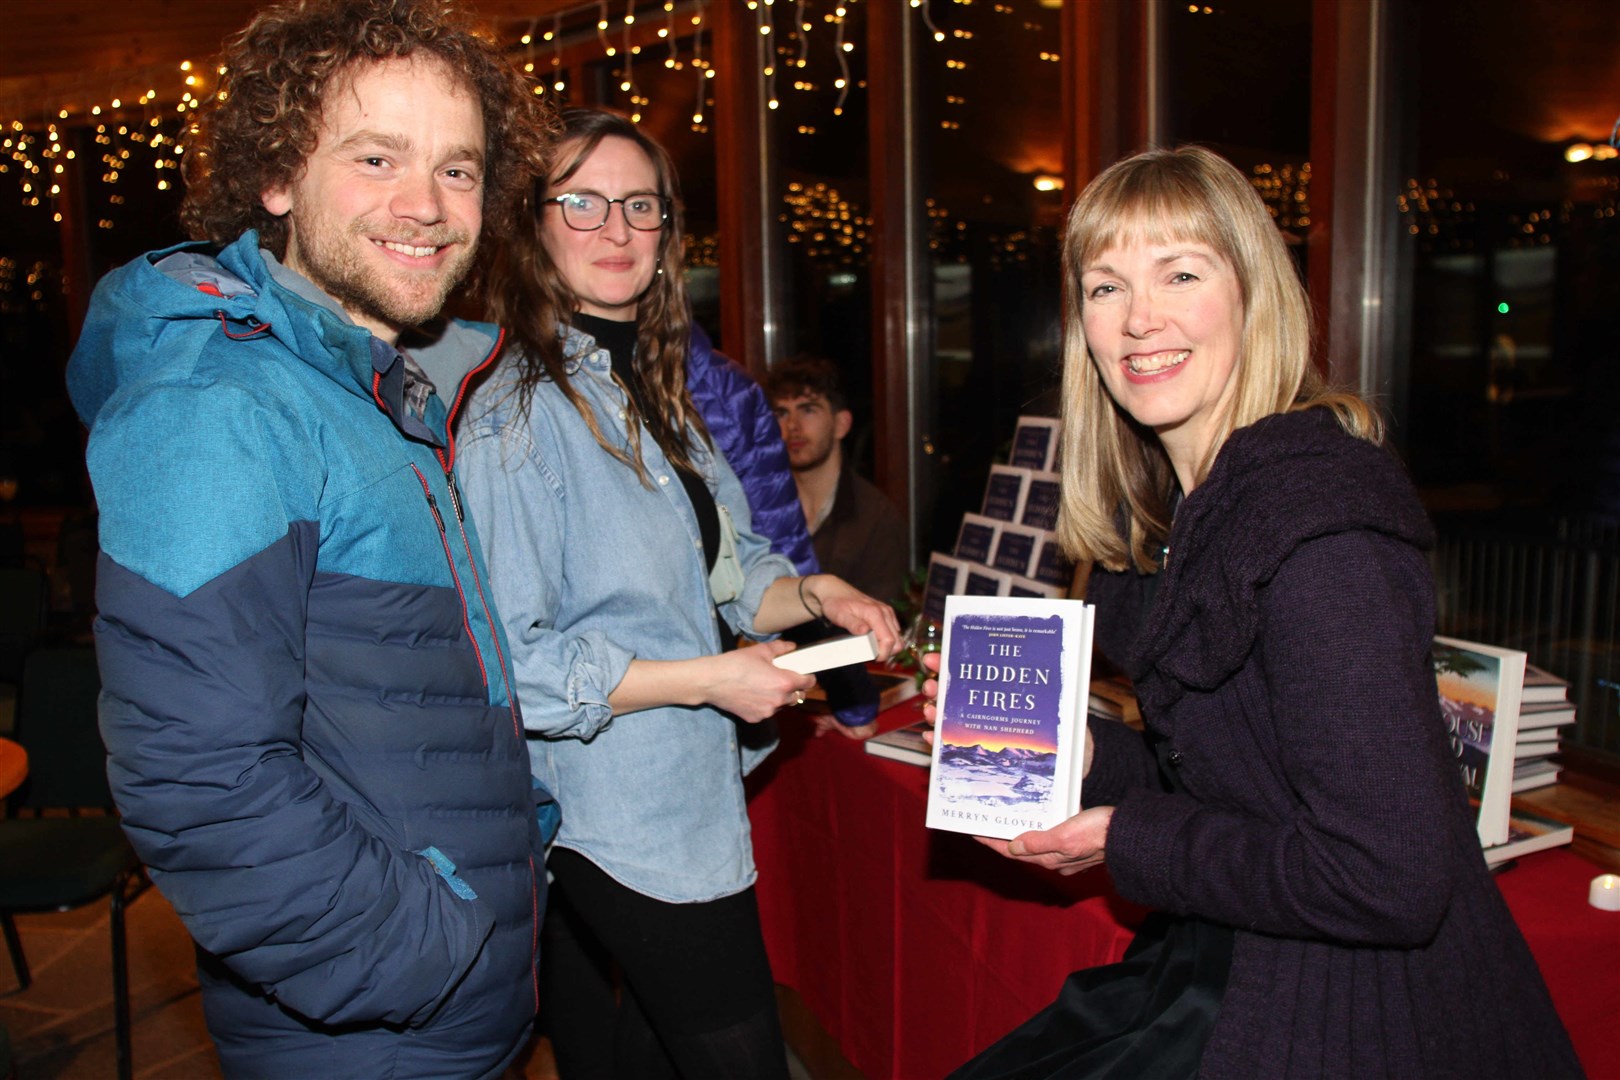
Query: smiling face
[
  {"x": 1164, "y": 324},
  {"x": 607, "y": 269},
  {"x": 386, "y": 214}
]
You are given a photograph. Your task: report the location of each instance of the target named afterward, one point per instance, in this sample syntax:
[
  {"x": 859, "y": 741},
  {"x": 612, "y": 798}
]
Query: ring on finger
[{"x": 798, "y": 697}]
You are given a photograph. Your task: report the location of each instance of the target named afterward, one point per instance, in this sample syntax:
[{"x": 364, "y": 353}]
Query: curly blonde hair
[{"x": 260, "y": 131}]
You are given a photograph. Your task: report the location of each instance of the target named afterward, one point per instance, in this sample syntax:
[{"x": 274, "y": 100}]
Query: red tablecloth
[{"x": 917, "y": 949}]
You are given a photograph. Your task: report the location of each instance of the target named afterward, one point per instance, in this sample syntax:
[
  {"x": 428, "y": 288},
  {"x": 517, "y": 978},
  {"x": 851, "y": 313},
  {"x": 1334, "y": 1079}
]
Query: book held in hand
[
  {"x": 1479, "y": 699},
  {"x": 834, "y": 652},
  {"x": 1010, "y": 740}
]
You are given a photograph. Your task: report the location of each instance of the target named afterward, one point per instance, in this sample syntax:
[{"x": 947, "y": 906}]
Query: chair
[{"x": 59, "y": 862}]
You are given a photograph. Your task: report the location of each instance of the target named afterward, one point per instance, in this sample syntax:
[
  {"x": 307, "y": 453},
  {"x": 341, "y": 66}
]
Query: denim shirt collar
[{"x": 580, "y": 351}]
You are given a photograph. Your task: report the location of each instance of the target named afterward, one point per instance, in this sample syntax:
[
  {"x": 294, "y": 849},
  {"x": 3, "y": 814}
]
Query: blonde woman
[{"x": 1291, "y": 812}]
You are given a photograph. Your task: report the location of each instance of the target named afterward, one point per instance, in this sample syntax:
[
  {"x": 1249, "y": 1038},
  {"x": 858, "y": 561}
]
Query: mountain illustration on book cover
[
  {"x": 1006, "y": 732},
  {"x": 1479, "y": 692}
]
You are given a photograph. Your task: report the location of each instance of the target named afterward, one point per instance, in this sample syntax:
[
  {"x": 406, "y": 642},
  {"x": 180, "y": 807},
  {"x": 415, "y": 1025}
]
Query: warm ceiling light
[
  {"x": 1048, "y": 182},
  {"x": 1578, "y": 152}
]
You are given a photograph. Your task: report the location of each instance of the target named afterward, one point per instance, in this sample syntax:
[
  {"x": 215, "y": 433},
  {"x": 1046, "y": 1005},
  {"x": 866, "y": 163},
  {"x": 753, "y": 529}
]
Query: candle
[{"x": 1605, "y": 893}]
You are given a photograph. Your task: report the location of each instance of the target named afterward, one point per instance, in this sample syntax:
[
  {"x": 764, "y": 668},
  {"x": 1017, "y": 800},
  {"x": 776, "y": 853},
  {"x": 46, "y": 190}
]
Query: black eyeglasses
[{"x": 586, "y": 211}]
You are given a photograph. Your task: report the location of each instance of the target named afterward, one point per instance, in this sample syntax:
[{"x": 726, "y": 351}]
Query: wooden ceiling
[{"x": 59, "y": 51}]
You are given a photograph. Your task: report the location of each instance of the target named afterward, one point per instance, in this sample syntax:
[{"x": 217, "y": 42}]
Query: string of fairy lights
[
  {"x": 149, "y": 131},
  {"x": 806, "y": 49}
]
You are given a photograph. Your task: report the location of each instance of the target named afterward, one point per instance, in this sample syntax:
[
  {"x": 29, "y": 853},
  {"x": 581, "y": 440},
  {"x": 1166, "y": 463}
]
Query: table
[
  {"x": 914, "y": 949},
  {"x": 917, "y": 949}
]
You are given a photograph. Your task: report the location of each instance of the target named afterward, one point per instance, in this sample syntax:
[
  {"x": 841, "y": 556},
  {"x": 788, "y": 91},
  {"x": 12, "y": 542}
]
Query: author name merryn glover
[{"x": 993, "y": 819}]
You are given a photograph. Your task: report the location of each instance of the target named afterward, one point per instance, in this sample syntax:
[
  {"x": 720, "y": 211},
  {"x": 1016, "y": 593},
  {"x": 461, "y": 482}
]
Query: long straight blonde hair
[{"x": 1117, "y": 480}]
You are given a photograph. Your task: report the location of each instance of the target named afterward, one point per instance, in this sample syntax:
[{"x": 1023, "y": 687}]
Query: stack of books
[
  {"x": 1544, "y": 707},
  {"x": 1502, "y": 716}
]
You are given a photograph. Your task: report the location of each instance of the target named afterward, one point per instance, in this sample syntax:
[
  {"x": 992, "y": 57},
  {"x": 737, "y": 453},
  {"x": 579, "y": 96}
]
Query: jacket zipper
[
  {"x": 447, "y": 463},
  {"x": 455, "y": 576}
]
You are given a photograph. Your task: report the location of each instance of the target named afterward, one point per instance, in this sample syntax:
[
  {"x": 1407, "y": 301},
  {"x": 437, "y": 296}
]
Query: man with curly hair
[{"x": 311, "y": 732}]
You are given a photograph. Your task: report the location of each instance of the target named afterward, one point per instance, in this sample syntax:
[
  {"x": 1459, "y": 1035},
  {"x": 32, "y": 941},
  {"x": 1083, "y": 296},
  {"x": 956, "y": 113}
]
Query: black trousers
[{"x": 639, "y": 989}]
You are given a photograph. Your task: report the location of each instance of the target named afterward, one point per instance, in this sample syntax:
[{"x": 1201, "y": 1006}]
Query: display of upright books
[
  {"x": 1016, "y": 550},
  {"x": 1479, "y": 698},
  {"x": 1011, "y": 732},
  {"x": 1041, "y": 496},
  {"x": 1004, "y": 493},
  {"x": 976, "y": 540},
  {"x": 1022, "y": 586},
  {"x": 945, "y": 576},
  {"x": 1035, "y": 443}
]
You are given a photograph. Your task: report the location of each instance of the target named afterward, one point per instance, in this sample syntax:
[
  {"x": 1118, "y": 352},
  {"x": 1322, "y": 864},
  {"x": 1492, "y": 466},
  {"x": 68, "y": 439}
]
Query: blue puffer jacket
[
  {"x": 747, "y": 435},
  {"x": 305, "y": 687}
]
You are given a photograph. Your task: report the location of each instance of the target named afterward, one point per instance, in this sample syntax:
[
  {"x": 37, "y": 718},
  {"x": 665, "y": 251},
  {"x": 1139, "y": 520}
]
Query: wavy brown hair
[
  {"x": 529, "y": 296},
  {"x": 279, "y": 71},
  {"x": 1115, "y": 471}
]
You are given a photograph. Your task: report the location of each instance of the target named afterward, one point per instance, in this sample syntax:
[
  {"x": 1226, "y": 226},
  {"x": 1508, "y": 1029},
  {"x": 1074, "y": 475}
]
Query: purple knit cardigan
[{"x": 1285, "y": 658}]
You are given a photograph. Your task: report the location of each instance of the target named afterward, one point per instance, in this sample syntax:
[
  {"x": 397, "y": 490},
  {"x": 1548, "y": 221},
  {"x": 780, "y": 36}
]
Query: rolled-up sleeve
[{"x": 563, "y": 679}]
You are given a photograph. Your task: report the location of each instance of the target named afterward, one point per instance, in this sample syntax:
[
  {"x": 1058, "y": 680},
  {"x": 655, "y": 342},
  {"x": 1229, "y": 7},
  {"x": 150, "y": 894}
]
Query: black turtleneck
[{"x": 619, "y": 339}]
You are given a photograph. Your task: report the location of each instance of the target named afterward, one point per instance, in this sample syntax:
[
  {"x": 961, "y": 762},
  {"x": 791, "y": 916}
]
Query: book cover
[
  {"x": 1040, "y": 510},
  {"x": 982, "y": 581},
  {"x": 976, "y": 540},
  {"x": 1004, "y": 493},
  {"x": 944, "y": 579},
  {"x": 1011, "y": 715},
  {"x": 1528, "y": 833},
  {"x": 1051, "y": 565},
  {"x": 903, "y": 744},
  {"x": 1015, "y": 551},
  {"x": 833, "y": 653},
  {"x": 1035, "y": 443},
  {"x": 1479, "y": 698}
]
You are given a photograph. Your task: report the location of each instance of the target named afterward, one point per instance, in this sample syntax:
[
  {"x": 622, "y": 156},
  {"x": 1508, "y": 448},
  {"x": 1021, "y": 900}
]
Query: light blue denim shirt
[{"x": 591, "y": 569}]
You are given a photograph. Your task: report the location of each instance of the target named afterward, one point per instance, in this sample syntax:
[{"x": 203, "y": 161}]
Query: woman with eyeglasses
[{"x": 624, "y": 565}]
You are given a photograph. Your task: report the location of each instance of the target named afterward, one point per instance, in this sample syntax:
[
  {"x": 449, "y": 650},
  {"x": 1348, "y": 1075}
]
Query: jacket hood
[
  {"x": 1285, "y": 480},
  {"x": 142, "y": 317}
]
